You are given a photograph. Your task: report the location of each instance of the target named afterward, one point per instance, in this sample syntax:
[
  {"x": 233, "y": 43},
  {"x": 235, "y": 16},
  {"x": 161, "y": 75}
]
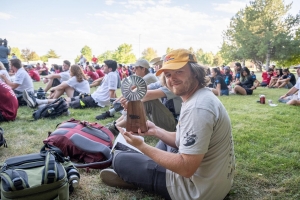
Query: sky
[{"x": 67, "y": 25}]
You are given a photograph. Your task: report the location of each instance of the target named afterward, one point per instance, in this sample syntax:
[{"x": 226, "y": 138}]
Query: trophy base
[{"x": 136, "y": 117}]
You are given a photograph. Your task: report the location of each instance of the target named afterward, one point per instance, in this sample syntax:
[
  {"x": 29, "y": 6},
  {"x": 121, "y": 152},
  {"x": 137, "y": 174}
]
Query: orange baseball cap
[{"x": 177, "y": 59}]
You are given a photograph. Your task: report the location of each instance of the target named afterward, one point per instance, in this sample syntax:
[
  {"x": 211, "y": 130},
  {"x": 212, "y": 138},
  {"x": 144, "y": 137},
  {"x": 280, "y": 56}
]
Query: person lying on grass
[
  {"x": 291, "y": 97},
  {"x": 246, "y": 83}
]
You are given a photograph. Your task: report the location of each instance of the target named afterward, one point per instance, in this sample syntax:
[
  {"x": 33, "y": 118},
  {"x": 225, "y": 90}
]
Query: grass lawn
[{"x": 266, "y": 147}]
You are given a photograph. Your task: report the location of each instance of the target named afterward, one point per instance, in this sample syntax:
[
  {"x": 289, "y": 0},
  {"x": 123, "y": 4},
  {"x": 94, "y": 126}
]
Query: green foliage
[
  {"x": 123, "y": 54},
  {"x": 86, "y": 51},
  {"x": 17, "y": 52},
  {"x": 205, "y": 58},
  {"x": 51, "y": 54},
  {"x": 25, "y": 54},
  {"x": 44, "y": 58},
  {"x": 149, "y": 54},
  {"x": 261, "y": 32},
  {"x": 105, "y": 56},
  {"x": 33, "y": 56},
  {"x": 169, "y": 49},
  {"x": 218, "y": 60}
]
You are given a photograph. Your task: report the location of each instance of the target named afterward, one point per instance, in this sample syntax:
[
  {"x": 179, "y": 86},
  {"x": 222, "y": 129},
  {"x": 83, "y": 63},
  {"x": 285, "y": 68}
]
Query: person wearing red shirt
[
  {"x": 266, "y": 77},
  {"x": 91, "y": 73},
  {"x": 44, "y": 70},
  {"x": 32, "y": 73},
  {"x": 94, "y": 60},
  {"x": 9, "y": 103},
  {"x": 99, "y": 71}
]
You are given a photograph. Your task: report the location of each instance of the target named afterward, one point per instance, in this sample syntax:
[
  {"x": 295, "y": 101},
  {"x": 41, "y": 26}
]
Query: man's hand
[
  {"x": 124, "y": 103},
  {"x": 131, "y": 138}
]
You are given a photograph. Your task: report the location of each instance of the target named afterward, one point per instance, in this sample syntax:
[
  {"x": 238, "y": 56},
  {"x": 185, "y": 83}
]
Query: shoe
[
  {"x": 111, "y": 178},
  {"x": 231, "y": 92},
  {"x": 112, "y": 128},
  {"x": 104, "y": 116},
  {"x": 30, "y": 99}
]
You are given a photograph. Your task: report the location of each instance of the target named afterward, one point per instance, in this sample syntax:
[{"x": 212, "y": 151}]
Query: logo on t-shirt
[{"x": 189, "y": 139}]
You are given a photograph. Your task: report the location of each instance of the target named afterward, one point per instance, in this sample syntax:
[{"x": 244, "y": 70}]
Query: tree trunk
[
  {"x": 258, "y": 65},
  {"x": 268, "y": 56},
  {"x": 243, "y": 63}
]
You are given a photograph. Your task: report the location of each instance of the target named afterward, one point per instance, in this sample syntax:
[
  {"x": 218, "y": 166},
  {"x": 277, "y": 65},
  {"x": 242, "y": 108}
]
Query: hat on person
[
  {"x": 226, "y": 67},
  {"x": 141, "y": 63},
  {"x": 156, "y": 61},
  {"x": 177, "y": 59},
  {"x": 28, "y": 67},
  {"x": 297, "y": 67}
]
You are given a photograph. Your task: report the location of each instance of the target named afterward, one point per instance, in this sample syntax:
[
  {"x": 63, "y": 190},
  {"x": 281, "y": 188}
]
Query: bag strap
[
  {"x": 56, "y": 151},
  {"x": 86, "y": 144}
]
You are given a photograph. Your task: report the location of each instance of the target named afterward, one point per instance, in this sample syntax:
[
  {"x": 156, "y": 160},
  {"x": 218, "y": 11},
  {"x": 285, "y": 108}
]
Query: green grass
[{"x": 266, "y": 147}]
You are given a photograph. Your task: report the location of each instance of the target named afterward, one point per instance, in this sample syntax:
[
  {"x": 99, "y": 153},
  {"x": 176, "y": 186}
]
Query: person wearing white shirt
[{"x": 54, "y": 80}]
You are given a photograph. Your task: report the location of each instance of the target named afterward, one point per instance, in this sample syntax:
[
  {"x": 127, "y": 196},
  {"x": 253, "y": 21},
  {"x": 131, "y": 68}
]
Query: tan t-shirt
[{"x": 204, "y": 128}]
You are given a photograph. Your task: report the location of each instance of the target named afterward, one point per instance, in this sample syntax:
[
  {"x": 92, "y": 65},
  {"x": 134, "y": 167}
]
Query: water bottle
[
  {"x": 73, "y": 177},
  {"x": 40, "y": 94}
]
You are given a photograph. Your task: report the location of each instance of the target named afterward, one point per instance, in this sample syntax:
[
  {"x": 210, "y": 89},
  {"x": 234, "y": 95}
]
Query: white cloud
[
  {"x": 159, "y": 26},
  {"x": 230, "y": 7},
  {"x": 5, "y": 16},
  {"x": 109, "y": 2}
]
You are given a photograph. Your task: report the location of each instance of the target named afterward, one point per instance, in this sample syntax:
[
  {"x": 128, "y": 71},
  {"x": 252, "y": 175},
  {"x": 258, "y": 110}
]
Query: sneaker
[
  {"x": 111, "y": 178},
  {"x": 112, "y": 128},
  {"x": 104, "y": 116},
  {"x": 30, "y": 99}
]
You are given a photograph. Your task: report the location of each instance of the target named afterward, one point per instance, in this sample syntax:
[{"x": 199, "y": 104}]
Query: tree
[
  {"x": 105, "y": 56},
  {"x": 123, "y": 54},
  {"x": 25, "y": 54},
  {"x": 86, "y": 51},
  {"x": 149, "y": 54},
  {"x": 218, "y": 60},
  {"x": 191, "y": 50},
  {"x": 51, "y": 54},
  {"x": 261, "y": 32},
  {"x": 33, "y": 56},
  {"x": 17, "y": 52},
  {"x": 169, "y": 49}
]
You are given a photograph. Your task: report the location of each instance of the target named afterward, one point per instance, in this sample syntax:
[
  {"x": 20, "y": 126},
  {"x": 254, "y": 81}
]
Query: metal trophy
[{"x": 134, "y": 88}]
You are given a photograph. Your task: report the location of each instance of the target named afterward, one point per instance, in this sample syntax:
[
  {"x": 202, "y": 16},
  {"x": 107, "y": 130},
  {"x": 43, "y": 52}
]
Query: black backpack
[
  {"x": 2, "y": 140},
  {"x": 52, "y": 110}
]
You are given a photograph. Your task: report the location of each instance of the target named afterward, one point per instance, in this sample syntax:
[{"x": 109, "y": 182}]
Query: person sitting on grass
[
  {"x": 21, "y": 82},
  {"x": 141, "y": 69},
  {"x": 53, "y": 80},
  {"x": 227, "y": 76},
  {"x": 246, "y": 83},
  {"x": 266, "y": 77},
  {"x": 219, "y": 86},
  {"x": 91, "y": 73},
  {"x": 43, "y": 70},
  {"x": 291, "y": 97},
  {"x": 4, "y": 71},
  {"x": 288, "y": 80},
  {"x": 32, "y": 73},
  {"x": 278, "y": 73},
  {"x": 74, "y": 86},
  {"x": 237, "y": 72},
  {"x": 204, "y": 166},
  {"x": 9, "y": 103},
  {"x": 100, "y": 98}
]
